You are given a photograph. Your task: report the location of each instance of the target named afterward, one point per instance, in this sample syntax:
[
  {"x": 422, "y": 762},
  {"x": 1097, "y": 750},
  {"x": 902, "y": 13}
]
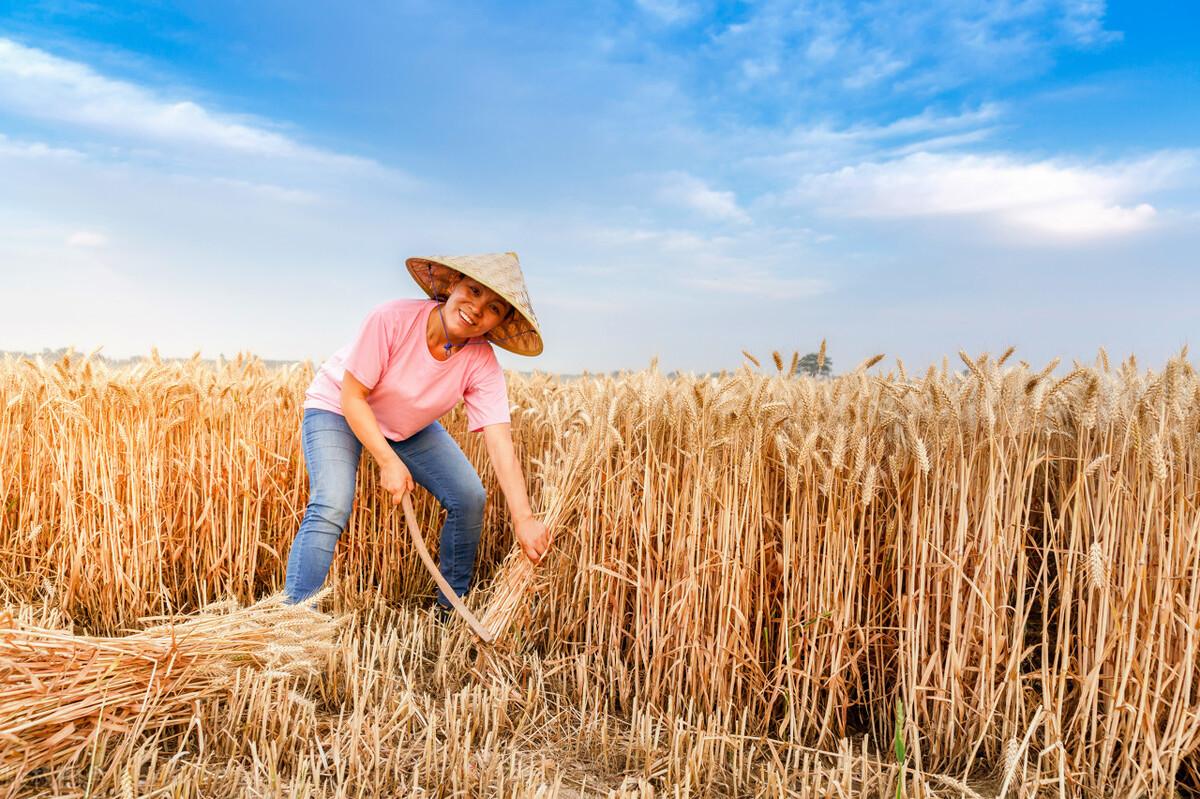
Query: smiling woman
[
  {"x": 473, "y": 308},
  {"x": 412, "y": 362}
]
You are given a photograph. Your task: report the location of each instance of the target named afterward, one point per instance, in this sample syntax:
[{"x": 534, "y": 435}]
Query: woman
[{"x": 412, "y": 361}]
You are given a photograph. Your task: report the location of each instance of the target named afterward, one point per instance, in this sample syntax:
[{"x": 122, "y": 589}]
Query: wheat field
[{"x": 978, "y": 580}]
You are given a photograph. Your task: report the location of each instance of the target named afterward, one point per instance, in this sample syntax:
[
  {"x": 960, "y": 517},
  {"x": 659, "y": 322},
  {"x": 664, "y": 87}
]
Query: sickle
[{"x": 482, "y": 632}]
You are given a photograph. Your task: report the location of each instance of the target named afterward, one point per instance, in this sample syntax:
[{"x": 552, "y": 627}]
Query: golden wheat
[{"x": 748, "y": 571}]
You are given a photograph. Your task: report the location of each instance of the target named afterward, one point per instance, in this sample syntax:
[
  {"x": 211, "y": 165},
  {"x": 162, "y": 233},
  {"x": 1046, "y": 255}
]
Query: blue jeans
[{"x": 332, "y": 452}]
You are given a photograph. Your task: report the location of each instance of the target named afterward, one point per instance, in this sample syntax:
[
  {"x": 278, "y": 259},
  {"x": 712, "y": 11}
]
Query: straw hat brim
[{"x": 501, "y": 272}]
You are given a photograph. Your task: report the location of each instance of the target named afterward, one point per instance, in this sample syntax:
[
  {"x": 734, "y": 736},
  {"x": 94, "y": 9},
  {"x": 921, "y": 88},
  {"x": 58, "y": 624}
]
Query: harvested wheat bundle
[
  {"x": 60, "y": 691},
  {"x": 560, "y": 483}
]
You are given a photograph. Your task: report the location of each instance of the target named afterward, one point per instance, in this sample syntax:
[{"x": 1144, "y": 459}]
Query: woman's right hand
[{"x": 396, "y": 479}]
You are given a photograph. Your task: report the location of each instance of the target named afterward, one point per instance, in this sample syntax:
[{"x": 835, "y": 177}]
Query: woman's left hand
[{"x": 532, "y": 536}]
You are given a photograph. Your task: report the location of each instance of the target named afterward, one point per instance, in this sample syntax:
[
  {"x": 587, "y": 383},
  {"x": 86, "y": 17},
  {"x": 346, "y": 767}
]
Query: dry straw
[{"x": 61, "y": 691}]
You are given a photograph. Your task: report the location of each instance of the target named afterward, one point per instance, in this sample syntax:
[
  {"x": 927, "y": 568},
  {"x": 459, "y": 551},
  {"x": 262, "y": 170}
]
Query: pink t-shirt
[{"x": 409, "y": 387}]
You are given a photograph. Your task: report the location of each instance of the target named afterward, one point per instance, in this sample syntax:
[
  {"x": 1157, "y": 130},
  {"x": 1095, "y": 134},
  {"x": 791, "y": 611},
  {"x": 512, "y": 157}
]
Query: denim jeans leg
[
  {"x": 331, "y": 453},
  {"x": 439, "y": 465}
]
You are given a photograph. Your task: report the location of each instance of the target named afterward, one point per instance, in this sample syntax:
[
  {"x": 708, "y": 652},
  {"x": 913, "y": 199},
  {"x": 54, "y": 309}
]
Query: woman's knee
[
  {"x": 331, "y": 492},
  {"x": 332, "y": 509},
  {"x": 468, "y": 499}
]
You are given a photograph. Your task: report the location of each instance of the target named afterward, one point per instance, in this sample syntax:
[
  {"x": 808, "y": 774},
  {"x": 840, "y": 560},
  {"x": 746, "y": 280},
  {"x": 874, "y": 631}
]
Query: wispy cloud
[
  {"x": 579, "y": 302},
  {"x": 827, "y": 51},
  {"x": 752, "y": 261},
  {"x": 875, "y": 67},
  {"x": 688, "y": 191},
  {"x": 929, "y": 121},
  {"x": 823, "y": 146},
  {"x": 766, "y": 286},
  {"x": 669, "y": 11},
  {"x": 1059, "y": 199},
  {"x": 86, "y": 238},
  {"x": 38, "y": 84},
  {"x": 14, "y": 148},
  {"x": 1083, "y": 21},
  {"x": 664, "y": 239},
  {"x": 952, "y": 141},
  {"x": 270, "y": 191}
]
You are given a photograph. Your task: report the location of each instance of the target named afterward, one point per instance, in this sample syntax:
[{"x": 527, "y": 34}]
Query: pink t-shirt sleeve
[
  {"x": 486, "y": 398},
  {"x": 370, "y": 352}
]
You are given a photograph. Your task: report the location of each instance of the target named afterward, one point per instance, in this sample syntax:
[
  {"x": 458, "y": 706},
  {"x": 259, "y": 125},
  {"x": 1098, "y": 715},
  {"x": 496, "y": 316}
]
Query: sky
[{"x": 682, "y": 180}]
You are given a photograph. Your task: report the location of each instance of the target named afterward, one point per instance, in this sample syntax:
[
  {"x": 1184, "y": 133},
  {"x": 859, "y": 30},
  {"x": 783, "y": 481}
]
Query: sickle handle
[{"x": 482, "y": 632}]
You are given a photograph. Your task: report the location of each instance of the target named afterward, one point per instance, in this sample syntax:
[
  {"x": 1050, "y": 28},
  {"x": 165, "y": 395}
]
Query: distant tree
[{"x": 807, "y": 365}]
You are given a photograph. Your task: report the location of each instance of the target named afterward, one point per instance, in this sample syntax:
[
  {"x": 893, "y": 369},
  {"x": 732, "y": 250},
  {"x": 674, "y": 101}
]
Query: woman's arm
[
  {"x": 393, "y": 474},
  {"x": 531, "y": 534}
]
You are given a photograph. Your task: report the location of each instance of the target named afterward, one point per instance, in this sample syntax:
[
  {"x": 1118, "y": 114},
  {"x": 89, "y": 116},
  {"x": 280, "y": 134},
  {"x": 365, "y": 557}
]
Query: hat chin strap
[
  {"x": 449, "y": 345},
  {"x": 442, "y": 298}
]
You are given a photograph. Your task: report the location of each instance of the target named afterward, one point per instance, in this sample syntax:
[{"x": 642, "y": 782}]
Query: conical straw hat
[{"x": 499, "y": 271}]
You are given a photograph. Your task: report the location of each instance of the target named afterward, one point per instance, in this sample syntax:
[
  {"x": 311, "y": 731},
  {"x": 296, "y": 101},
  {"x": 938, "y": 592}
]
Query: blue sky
[{"x": 680, "y": 179}]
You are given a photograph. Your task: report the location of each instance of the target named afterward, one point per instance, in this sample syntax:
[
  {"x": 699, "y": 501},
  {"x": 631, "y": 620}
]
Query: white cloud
[
  {"x": 948, "y": 142},
  {"x": 763, "y": 285},
  {"x": 1083, "y": 22},
  {"x": 756, "y": 69},
  {"x": 669, "y": 11},
  {"x": 926, "y": 122},
  {"x": 578, "y": 301},
  {"x": 755, "y": 261},
  {"x": 823, "y": 146},
  {"x": 24, "y": 149},
  {"x": 822, "y": 48},
  {"x": 86, "y": 238},
  {"x": 38, "y": 84},
  {"x": 688, "y": 191},
  {"x": 876, "y": 67},
  {"x": 665, "y": 240},
  {"x": 1084, "y": 219},
  {"x": 270, "y": 191},
  {"x": 1046, "y": 197}
]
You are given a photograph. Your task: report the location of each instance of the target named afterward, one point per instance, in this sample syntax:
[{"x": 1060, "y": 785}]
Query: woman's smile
[{"x": 464, "y": 321}]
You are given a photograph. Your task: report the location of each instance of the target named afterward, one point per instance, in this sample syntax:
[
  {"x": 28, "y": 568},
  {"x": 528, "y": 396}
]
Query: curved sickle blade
[{"x": 482, "y": 632}]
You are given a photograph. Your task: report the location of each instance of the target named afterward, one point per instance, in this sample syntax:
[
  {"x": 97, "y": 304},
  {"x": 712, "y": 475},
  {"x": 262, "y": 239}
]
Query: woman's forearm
[
  {"x": 507, "y": 468},
  {"x": 512, "y": 483},
  {"x": 529, "y": 531},
  {"x": 366, "y": 427}
]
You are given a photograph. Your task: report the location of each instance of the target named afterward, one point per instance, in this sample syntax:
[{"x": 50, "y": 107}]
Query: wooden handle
[{"x": 482, "y": 632}]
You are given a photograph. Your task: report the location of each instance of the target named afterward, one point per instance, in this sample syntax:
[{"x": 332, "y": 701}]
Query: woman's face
[{"x": 473, "y": 309}]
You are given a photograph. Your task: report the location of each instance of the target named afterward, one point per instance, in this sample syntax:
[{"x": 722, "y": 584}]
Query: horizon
[{"x": 884, "y": 365}]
